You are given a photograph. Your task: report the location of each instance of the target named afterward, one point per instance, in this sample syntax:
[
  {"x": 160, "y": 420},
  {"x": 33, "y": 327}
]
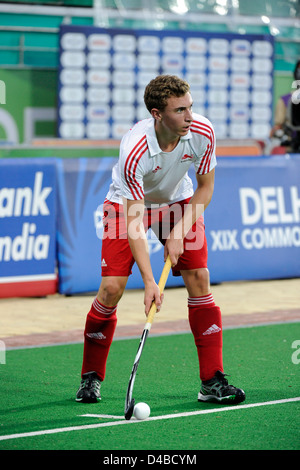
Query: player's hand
[
  {"x": 152, "y": 293},
  {"x": 173, "y": 248}
]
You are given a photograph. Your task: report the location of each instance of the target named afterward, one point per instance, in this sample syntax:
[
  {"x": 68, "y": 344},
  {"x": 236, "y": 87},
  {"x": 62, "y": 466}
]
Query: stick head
[{"x": 129, "y": 409}]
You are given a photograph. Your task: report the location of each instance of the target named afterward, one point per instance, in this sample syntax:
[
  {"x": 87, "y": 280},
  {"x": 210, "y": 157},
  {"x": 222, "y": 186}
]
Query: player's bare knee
[
  {"x": 197, "y": 281},
  {"x": 202, "y": 277},
  {"x": 110, "y": 292}
]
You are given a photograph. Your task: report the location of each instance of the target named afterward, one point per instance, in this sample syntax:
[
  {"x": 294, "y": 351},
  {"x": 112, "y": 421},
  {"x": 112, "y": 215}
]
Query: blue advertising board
[
  {"x": 51, "y": 218},
  {"x": 27, "y": 227},
  {"x": 252, "y": 222}
]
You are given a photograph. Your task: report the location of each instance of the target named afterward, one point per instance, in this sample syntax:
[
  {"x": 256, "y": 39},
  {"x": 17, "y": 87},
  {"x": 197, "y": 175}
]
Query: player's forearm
[
  {"x": 139, "y": 248},
  {"x": 134, "y": 211},
  {"x": 197, "y": 205},
  {"x": 193, "y": 211}
]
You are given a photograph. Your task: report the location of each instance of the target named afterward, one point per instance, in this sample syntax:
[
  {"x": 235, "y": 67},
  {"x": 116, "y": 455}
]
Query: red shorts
[{"x": 117, "y": 259}]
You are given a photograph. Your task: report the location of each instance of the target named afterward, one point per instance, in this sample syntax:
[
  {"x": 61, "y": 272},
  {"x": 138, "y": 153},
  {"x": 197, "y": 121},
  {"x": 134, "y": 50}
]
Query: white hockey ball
[{"x": 141, "y": 411}]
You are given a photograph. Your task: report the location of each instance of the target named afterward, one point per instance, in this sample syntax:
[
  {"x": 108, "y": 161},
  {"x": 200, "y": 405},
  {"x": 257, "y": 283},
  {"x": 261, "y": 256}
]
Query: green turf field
[{"x": 38, "y": 386}]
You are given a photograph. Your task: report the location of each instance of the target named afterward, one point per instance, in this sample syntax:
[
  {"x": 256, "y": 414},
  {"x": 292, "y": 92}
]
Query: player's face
[{"x": 177, "y": 115}]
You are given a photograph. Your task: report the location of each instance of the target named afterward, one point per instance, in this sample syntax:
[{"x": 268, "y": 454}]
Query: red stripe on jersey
[
  {"x": 207, "y": 131},
  {"x": 204, "y": 165},
  {"x": 130, "y": 168},
  {"x": 203, "y": 129}
]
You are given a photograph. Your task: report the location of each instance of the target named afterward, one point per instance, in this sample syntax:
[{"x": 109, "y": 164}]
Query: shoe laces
[
  {"x": 218, "y": 385},
  {"x": 221, "y": 378},
  {"x": 227, "y": 388},
  {"x": 91, "y": 383}
]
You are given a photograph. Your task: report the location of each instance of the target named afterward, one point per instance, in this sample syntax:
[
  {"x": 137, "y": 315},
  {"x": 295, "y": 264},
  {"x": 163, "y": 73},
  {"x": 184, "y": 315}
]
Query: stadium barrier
[
  {"x": 51, "y": 223},
  {"x": 28, "y": 227}
]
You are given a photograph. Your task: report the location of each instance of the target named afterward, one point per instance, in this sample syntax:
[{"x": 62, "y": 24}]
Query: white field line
[{"x": 135, "y": 421}]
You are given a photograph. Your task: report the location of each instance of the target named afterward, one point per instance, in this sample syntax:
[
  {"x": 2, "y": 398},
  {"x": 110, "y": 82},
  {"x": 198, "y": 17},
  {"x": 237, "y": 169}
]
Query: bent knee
[
  {"x": 197, "y": 281},
  {"x": 202, "y": 276},
  {"x": 111, "y": 290}
]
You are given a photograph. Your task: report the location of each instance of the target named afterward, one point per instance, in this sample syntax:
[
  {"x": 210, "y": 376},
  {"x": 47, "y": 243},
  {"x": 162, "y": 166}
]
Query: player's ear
[{"x": 156, "y": 114}]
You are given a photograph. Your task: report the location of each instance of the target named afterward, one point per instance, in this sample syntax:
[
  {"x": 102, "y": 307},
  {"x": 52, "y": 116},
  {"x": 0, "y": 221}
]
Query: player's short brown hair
[{"x": 161, "y": 88}]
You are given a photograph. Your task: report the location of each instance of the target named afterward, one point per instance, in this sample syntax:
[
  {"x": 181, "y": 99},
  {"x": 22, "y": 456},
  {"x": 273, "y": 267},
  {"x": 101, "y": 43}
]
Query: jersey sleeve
[
  {"x": 205, "y": 144},
  {"x": 131, "y": 167}
]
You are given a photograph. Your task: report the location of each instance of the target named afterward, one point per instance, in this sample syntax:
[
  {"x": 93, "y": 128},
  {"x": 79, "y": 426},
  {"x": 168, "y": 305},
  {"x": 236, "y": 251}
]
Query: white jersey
[{"x": 144, "y": 171}]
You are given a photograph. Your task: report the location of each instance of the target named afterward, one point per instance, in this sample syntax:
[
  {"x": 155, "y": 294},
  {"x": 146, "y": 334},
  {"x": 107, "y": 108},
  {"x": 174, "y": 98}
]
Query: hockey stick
[{"x": 129, "y": 403}]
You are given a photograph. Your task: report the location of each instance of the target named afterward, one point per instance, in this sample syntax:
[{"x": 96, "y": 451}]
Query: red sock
[
  {"x": 99, "y": 330},
  {"x": 206, "y": 325}
]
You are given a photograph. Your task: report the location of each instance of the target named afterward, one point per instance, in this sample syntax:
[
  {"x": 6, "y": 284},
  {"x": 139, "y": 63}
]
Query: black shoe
[
  {"x": 89, "y": 390},
  {"x": 217, "y": 390}
]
